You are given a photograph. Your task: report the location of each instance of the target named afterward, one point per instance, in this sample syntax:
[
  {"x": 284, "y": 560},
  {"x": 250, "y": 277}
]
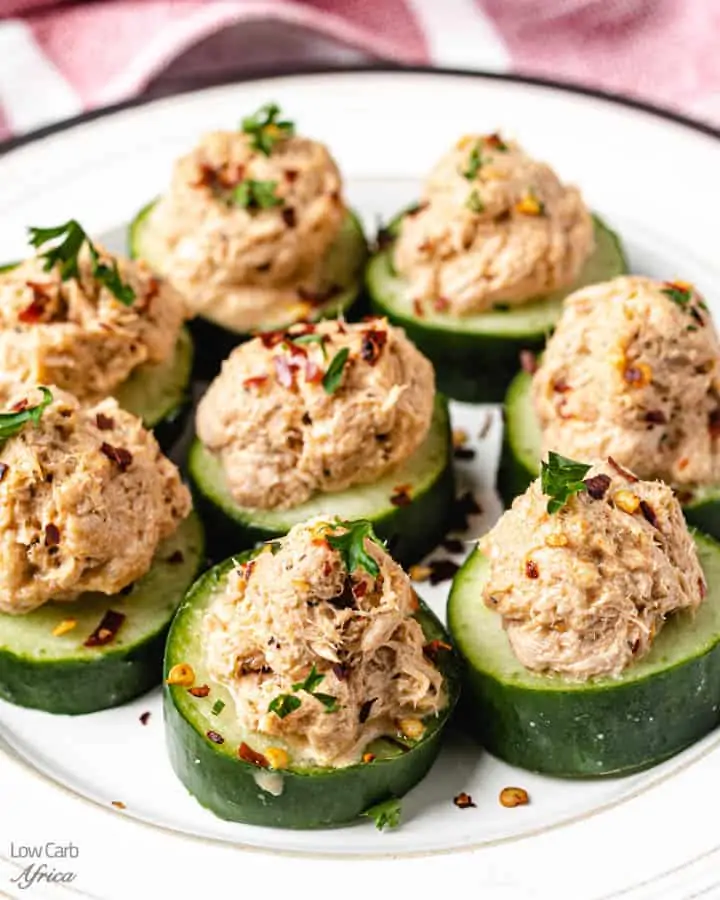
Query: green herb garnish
[
  {"x": 474, "y": 203},
  {"x": 69, "y": 239},
  {"x": 313, "y": 680},
  {"x": 266, "y": 129},
  {"x": 275, "y": 547},
  {"x": 385, "y": 814},
  {"x": 333, "y": 376},
  {"x": 12, "y": 422},
  {"x": 330, "y": 703},
  {"x": 217, "y": 707},
  {"x": 250, "y": 194},
  {"x": 475, "y": 162},
  {"x": 284, "y": 704},
  {"x": 351, "y": 546},
  {"x": 560, "y": 479},
  {"x": 681, "y": 294},
  {"x": 310, "y": 339}
]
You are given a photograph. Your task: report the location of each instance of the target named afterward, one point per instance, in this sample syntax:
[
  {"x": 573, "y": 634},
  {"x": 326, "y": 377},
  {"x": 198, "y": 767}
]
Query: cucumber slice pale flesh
[
  {"x": 476, "y": 356},
  {"x": 520, "y": 460},
  {"x": 60, "y": 674},
  {"x": 203, "y": 745},
  {"x": 544, "y": 723},
  {"x": 411, "y": 530},
  {"x": 344, "y": 266}
]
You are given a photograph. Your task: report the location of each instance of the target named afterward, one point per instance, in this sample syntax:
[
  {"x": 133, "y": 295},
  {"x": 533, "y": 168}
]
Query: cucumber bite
[
  {"x": 290, "y": 729},
  {"x": 316, "y": 421},
  {"x": 254, "y": 231},
  {"x": 478, "y": 270},
  {"x": 589, "y": 623}
]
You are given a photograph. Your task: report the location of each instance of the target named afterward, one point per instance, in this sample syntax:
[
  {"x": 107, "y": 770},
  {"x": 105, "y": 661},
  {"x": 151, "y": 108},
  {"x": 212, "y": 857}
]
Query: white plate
[{"x": 649, "y": 835}]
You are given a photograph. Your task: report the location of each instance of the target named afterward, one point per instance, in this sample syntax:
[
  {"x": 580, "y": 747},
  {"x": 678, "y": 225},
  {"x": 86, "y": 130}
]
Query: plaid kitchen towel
[{"x": 60, "y": 57}]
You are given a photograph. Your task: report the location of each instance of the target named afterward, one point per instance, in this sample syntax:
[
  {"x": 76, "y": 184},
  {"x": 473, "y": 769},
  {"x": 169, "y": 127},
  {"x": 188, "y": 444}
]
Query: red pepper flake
[
  {"x": 20, "y": 405},
  {"x": 442, "y": 570},
  {"x": 649, "y": 513},
  {"x": 418, "y": 309},
  {"x": 215, "y": 737},
  {"x": 495, "y": 142},
  {"x": 464, "y": 801},
  {"x": 714, "y": 423},
  {"x": 373, "y": 342},
  {"x": 119, "y": 455},
  {"x": 313, "y": 372},
  {"x": 106, "y": 630},
  {"x": 561, "y": 386},
  {"x": 289, "y": 217},
  {"x": 401, "y": 495},
  {"x": 201, "y": 690},
  {"x": 441, "y": 304},
  {"x": 36, "y": 309},
  {"x": 252, "y": 756},
  {"x": 528, "y": 362},
  {"x": 628, "y": 476},
  {"x": 359, "y": 589},
  {"x": 144, "y": 718},
  {"x": 597, "y": 485},
  {"x": 52, "y": 535},
  {"x": 291, "y": 175},
  {"x": 365, "y": 710},
  {"x": 254, "y": 381},
  {"x": 103, "y": 422},
  {"x": 207, "y": 176},
  {"x": 683, "y": 463},
  {"x": 270, "y": 339},
  {"x": 152, "y": 289},
  {"x": 531, "y": 569},
  {"x": 3, "y": 470},
  {"x": 327, "y": 568},
  {"x": 284, "y": 372},
  {"x": 176, "y": 557},
  {"x": 432, "y": 648}
]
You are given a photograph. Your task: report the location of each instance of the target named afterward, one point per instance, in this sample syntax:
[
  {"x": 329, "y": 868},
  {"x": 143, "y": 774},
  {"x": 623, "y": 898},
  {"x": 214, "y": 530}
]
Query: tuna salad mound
[
  {"x": 86, "y": 332},
  {"x": 495, "y": 226},
  {"x": 316, "y": 642},
  {"x": 317, "y": 408},
  {"x": 85, "y": 497},
  {"x": 587, "y": 566},
  {"x": 632, "y": 372},
  {"x": 246, "y": 223}
]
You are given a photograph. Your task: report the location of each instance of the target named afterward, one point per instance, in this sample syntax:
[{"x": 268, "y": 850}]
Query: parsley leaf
[
  {"x": 313, "y": 680},
  {"x": 12, "y": 422},
  {"x": 385, "y": 814},
  {"x": 560, "y": 479},
  {"x": 218, "y": 707},
  {"x": 475, "y": 203},
  {"x": 333, "y": 376},
  {"x": 475, "y": 162},
  {"x": 251, "y": 194},
  {"x": 329, "y": 702},
  {"x": 310, "y": 339},
  {"x": 266, "y": 129},
  {"x": 284, "y": 704},
  {"x": 351, "y": 546},
  {"x": 68, "y": 241}
]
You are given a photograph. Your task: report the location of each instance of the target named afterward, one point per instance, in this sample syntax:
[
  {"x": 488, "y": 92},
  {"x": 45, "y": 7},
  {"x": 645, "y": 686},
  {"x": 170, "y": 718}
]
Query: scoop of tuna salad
[
  {"x": 85, "y": 498},
  {"x": 495, "y": 226},
  {"x": 315, "y": 640},
  {"x": 75, "y": 332},
  {"x": 316, "y": 408},
  {"x": 587, "y": 566},
  {"x": 632, "y": 372},
  {"x": 244, "y": 227}
]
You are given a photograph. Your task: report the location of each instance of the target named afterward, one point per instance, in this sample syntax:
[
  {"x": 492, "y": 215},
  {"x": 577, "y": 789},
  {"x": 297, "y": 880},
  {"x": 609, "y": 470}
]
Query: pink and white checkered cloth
[{"x": 60, "y": 57}]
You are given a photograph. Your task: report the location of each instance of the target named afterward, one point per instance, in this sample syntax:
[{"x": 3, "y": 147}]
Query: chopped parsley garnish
[
  {"x": 474, "y": 203},
  {"x": 351, "y": 546},
  {"x": 333, "y": 376},
  {"x": 560, "y": 479},
  {"x": 250, "y": 194},
  {"x": 475, "y": 162},
  {"x": 313, "y": 680},
  {"x": 12, "y": 422},
  {"x": 682, "y": 294},
  {"x": 266, "y": 129},
  {"x": 218, "y": 707},
  {"x": 310, "y": 339},
  {"x": 275, "y": 547},
  {"x": 385, "y": 814},
  {"x": 330, "y": 703},
  {"x": 68, "y": 241},
  {"x": 284, "y": 704}
]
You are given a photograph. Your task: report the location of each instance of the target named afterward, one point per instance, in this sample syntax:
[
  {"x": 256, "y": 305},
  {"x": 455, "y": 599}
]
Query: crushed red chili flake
[
  {"x": 561, "y": 386},
  {"x": 464, "y": 801},
  {"x": 442, "y": 570},
  {"x": 495, "y": 142},
  {"x": 207, "y": 176},
  {"x": 152, "y": 289},
  {"x": 284, "y": 372},
  {"x": 597, "y": 485},
  {"x": 714, "y": 423},
  {"x": 289, "y": 217},
  {"x": 531, "y": 569},
  {"x": 441, "y": 304},
  {"x": 359, "y": 589},
  {"x": 103, "y": 422},
  {"x": 119, "y": 455},
  {"x": 3, "y": 470},
  {"x": 201, "y": 690},
  {"x": 215, "y": 737},
  {"x": 623, "y": 472},
  {"x": 252, "y": 756},
  {"x": 255, "y": 381},
  {"x": 365, "y": 710},
  {"x": 33, "y": 312},
  {"x": 433, "y": 648},
  {"x": 418, "y": 309},
  {"x": 313, "y": 372},
  {"x": 401, "y": 495},
  {"x": 340, "y": 671},
  {"x": 655, "y": 417},
  {"x": 52, "y": 535},
  {"x": 372, "y": 345},
  {"x": 270, "y": 339},
  {"x": 20, "y": 405},
  {"x": 144, "y": 718},
  {"x": 528, "y": 362},
  {"x": 464, "y": 453},
  {"x": 176, "y": 557},
  {"x": 291, "y": 174},
  {"x": 107, "y": 629},
  {"x": 649, "y": 513}
]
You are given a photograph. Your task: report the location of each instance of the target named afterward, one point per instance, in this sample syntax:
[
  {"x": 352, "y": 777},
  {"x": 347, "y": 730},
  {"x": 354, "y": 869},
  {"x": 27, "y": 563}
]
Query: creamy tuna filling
[{"x": 297, "y": 616}]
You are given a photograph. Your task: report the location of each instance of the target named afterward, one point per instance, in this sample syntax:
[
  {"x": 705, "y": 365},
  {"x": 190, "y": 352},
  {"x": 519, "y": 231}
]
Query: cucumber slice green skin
[
  {"x": 520, "y": 459},
  {"x": 411, "y": 531},
  {"x": 214, "y": 342},
  {"x": 311, "y": 797},
  {"x": 588, "y": 730},
  {"x": 475, "y": 362},
  {"x": 72, "y": 680}
]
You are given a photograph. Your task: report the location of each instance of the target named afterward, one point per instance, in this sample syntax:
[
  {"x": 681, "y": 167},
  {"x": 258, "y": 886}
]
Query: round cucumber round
[
  {"x": 520, "y": 460},
  {"x": 214, "y": 339},
  {"x": 411, "y": 529},
  {"x": 476, "y": 356},
  {"x": 49, "y": 663},
  {"x": 203, "y": 738},
  {"x": 544, "y": 723}
]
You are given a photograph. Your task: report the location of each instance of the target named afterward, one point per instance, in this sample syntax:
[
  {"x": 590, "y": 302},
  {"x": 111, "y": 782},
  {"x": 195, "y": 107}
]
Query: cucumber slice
[
  {"x": 476, "y": 356},
  {"x": 308, "y": 797},
  {"x": 215, "y": 338},
  {"x": 656, "y": 708},
  {"x": 60, "y": 675},
  {"x": 411, "y": 531},
  {"x": 520, "y": 460}
]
